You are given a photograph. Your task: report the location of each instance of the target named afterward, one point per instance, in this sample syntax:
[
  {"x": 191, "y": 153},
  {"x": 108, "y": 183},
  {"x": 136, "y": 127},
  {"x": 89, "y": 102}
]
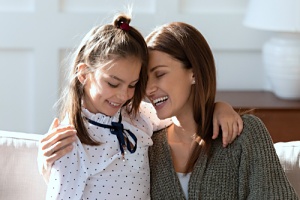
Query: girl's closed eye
[
  {"x": 112, "y": 85},
  {"x": 132, "y": 86}
]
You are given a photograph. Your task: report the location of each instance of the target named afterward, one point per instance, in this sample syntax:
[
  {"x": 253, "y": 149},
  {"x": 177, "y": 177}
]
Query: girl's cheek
[{"x": 131, "y": 94}]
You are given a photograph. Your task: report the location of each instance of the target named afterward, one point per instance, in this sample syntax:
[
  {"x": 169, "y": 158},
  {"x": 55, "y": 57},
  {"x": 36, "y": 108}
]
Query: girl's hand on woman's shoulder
[{"x": 229, "y": 120}]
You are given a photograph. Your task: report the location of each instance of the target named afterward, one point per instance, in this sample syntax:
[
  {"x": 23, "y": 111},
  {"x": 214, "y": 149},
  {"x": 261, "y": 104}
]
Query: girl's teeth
[{"x": 114, "y": 104}]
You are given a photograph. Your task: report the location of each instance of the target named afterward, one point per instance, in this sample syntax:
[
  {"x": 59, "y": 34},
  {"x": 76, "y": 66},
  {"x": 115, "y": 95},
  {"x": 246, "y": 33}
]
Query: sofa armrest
[
  {"x": 289, "y": 156},
  {"x": 19, "y": 176}
]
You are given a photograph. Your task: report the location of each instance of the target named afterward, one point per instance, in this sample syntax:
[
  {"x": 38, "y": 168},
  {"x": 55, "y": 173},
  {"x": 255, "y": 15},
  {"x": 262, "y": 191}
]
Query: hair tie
[{"x": 124, "y": 26}]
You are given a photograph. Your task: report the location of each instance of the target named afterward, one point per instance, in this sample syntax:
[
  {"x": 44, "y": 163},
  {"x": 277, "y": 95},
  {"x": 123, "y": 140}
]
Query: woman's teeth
[{"x": 160, "y": 100}]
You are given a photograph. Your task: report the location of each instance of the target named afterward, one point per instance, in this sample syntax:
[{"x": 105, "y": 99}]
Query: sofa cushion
[
  {"x": 289, "y": 156},
  {"x": 19, "y": 177}
]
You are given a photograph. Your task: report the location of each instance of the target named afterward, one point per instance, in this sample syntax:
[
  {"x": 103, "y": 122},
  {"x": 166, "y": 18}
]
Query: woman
[{"x": 185, "y": 163}]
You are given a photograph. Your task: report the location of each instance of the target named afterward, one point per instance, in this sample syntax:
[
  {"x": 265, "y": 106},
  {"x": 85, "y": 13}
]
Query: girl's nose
[{"x": 123, "y": 95}]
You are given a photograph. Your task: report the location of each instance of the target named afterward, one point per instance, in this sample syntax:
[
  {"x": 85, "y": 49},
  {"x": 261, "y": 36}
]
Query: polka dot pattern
[{"x": 98, "y": 172}]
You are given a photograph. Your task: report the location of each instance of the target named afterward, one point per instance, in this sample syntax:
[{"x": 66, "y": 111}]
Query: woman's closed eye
[{"x": 159, "y": 74}]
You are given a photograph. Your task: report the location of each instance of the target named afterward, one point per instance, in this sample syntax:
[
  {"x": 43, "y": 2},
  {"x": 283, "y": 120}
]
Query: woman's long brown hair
[{"x": 186, "y": 44}]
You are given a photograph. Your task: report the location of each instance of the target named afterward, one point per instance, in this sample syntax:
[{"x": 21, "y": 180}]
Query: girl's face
[
  {"x": 169, "y": 85},
  {"x": 108, "y": 88}
]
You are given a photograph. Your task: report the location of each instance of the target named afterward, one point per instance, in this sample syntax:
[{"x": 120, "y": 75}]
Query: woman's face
[
  {"x": 108, "y": 88},
  {"x": 169, "y": 85}
]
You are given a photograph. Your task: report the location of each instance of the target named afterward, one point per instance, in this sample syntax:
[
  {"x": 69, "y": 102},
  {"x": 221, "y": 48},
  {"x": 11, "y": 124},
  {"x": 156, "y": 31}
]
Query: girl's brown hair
[
  {"x": 186, "y": 44},
  {"x": 102, "y": 45}
]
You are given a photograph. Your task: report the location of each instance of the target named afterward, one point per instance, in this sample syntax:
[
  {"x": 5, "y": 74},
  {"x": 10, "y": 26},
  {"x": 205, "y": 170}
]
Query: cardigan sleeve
[{"x": 261, "y": 174}]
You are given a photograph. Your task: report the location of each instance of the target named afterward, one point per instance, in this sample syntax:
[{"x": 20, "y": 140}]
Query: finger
[
  {"x": 57, "y": 155},
  {"x": 240, "y": 125},
  {"x": 216, "y": 129},
  {"x": 235, "y": 128},
  {"x": 54, "y": 131},
  {"x": 60, "y": 135},
  {"x": 230, "y": 134},
  {"x": 54, "y": 124},
  {"x": 63, "y": 133},
  {"x": 61, "y": 144},
  {"x": 225, "y": 129}
]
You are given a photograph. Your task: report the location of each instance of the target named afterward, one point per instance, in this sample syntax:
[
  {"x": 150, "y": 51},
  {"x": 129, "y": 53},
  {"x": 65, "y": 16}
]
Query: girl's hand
[
  {"x": 229, "y": 120},
  {"x": 55, "y": 144}
]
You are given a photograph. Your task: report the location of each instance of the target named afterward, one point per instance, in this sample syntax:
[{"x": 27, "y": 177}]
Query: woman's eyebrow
[{"x": 158, "y": 66}]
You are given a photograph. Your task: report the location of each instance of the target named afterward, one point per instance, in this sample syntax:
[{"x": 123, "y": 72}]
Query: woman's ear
[
  {"x": 81, "y": 75},
  {"x": 192, "y": 78}
]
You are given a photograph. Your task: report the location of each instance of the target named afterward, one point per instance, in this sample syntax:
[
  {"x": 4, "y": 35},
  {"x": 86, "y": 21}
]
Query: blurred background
[{"x": 37, "y": 36}]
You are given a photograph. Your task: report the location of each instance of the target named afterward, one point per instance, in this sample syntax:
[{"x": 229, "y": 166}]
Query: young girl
[{"x": 109, "y": 159}]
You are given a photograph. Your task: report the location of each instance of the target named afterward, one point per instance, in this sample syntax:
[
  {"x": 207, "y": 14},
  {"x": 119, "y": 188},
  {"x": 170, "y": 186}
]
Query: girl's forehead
[
  {"x": 124, "y": 68},
  {"x": 119, "y": 63}
]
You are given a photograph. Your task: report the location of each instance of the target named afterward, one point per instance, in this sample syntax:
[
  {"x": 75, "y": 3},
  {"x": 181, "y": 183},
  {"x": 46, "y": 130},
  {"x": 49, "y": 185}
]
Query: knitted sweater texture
[{"x": 247, "y": 169}]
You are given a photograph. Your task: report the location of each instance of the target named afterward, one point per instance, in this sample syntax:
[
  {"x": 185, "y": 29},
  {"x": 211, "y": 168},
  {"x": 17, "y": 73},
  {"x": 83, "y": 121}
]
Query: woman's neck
[
  {"x": 180, "y": 136},
  {"x": 184, "y": 127}
]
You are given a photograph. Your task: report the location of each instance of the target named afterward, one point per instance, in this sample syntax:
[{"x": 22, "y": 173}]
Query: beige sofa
[{"x": 20, "y": 180}]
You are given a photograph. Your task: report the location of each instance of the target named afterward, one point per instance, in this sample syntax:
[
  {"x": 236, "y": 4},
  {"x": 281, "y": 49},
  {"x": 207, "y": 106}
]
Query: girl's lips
[{"x": 113, "y": 104}]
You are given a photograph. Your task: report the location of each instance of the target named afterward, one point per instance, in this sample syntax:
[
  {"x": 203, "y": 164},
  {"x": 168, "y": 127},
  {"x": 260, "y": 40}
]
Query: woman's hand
[
  {"x": 230, "y": 122},
  {"x": 55, "y": 144}
]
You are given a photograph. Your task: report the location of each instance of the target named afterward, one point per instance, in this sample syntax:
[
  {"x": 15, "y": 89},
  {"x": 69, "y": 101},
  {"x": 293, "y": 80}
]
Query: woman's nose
[{"x": 150, "y": 89}]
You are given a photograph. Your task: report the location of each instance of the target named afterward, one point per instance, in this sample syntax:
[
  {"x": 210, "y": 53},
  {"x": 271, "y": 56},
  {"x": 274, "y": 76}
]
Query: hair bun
[{"x": 122, "y": 21}]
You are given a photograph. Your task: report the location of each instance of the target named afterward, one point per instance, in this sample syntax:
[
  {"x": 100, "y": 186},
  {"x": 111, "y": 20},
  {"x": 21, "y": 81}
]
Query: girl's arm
[
  {"x": 225, "y": 118},
  {"x": 229, "y": 120}
]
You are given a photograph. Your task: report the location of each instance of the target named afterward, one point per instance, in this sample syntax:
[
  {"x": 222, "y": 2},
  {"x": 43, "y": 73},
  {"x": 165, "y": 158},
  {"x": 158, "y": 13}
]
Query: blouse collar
[{"x": 101, "y": 118}]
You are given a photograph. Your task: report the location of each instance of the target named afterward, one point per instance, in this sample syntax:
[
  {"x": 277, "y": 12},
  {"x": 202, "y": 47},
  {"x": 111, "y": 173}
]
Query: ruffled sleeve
[
  {"x": 68, "y": 175},
  {"x": 148, "y": 112}
]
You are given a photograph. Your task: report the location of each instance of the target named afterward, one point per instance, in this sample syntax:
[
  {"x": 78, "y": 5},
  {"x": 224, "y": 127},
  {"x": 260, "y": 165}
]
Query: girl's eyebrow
[{"x": 122, "y": 81}]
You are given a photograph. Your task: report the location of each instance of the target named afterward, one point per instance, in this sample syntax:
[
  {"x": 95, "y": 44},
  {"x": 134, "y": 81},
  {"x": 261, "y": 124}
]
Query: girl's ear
[{"x": 81, "y": 69}]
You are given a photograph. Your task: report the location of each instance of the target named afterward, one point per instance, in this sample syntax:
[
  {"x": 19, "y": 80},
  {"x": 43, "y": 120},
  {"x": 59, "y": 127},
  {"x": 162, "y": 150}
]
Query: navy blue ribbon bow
[{"x": 122, "y": 134}]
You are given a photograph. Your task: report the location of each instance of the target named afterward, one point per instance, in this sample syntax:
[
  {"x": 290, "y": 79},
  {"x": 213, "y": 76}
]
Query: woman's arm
[
  {"x": 261, "y": 174},
  {"x": 55, "y": 144}
]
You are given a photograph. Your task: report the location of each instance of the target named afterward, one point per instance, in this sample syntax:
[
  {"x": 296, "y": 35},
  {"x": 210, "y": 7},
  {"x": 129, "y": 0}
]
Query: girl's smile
[{"x": 108, "y": 88}]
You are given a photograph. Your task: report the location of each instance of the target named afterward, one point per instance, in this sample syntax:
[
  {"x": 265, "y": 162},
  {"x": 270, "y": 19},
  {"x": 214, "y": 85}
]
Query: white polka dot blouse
[{"x": 99, "y": 172}]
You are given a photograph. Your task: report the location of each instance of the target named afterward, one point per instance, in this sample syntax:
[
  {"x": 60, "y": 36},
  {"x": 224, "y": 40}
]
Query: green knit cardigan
[{"x": 247, "y": 169}]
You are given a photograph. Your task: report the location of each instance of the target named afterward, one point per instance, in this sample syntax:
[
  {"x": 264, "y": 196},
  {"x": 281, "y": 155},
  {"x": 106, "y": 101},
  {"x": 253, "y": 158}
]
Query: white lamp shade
[{"x": 274, "y": 15}]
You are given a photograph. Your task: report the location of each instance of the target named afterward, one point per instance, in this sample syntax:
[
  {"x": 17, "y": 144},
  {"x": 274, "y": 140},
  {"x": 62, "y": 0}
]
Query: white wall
[{"x": 36, "y": 35}]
